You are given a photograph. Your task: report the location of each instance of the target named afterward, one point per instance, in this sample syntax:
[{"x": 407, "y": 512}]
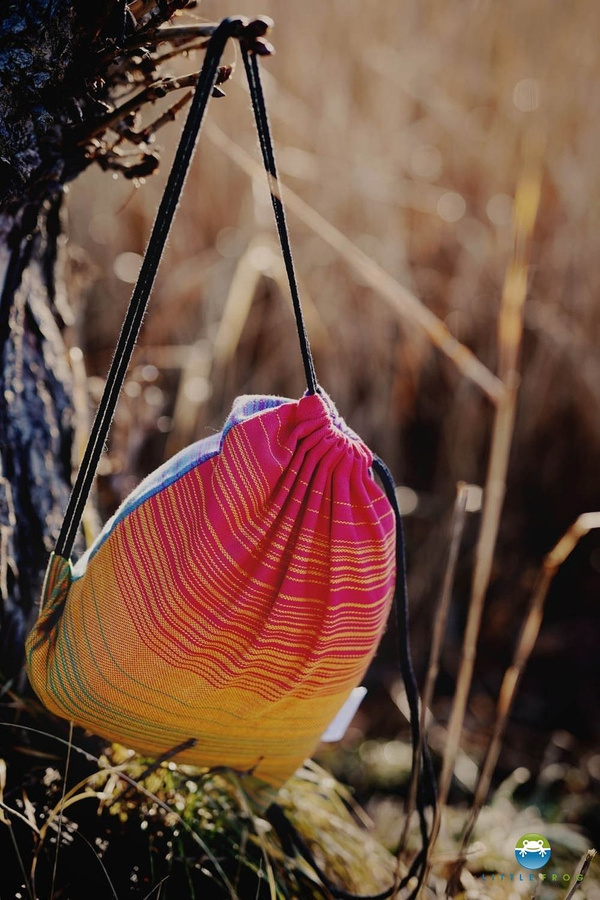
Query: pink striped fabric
[{"x": 236, "y": 597}]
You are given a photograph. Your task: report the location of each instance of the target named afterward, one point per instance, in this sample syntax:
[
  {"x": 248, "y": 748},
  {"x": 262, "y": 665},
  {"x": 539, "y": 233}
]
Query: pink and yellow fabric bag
[
  {"x": 236, "y": 597},
  {"x": 240, "y": 592}
]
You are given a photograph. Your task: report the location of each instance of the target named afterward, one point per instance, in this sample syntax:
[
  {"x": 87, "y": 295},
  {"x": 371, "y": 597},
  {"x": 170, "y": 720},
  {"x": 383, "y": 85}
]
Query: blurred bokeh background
[{"x": 407, "y": 128}]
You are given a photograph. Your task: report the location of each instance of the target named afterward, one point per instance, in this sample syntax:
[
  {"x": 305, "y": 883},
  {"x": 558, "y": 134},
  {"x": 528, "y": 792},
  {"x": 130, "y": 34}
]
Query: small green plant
[{"x": 73, "y": 811}]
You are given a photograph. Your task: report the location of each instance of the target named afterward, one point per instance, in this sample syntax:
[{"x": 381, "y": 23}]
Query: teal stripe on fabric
[
  {"x": 152, "y": 686},
  {"x": 84, "y": 702}
]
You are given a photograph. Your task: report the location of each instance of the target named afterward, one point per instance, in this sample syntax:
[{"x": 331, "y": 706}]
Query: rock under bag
[{"x": 236, "y": 597}]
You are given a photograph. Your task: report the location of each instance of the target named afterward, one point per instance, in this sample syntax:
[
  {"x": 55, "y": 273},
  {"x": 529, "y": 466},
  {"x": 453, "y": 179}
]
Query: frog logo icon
[{"x": 533, "y": 851}]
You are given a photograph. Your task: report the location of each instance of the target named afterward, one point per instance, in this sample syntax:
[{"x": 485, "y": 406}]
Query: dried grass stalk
[
  {"x": 510, "y": 329},
  {"x": 513, "y": 674},
  {"x": 405, "y": 303}
]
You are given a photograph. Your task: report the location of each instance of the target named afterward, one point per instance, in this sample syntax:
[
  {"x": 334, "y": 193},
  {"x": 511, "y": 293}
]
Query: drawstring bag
[
  {"x": 235, "y": 600},
  {"x": 237, "y": 596}
]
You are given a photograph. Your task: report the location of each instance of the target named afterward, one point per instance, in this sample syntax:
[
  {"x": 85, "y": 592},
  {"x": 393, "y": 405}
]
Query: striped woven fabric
[{"x": 236, "y": 597}]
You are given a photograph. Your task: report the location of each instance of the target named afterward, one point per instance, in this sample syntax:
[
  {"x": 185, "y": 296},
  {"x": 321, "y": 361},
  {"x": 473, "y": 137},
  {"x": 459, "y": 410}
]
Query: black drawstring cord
[
  {"x": 426, "y": 792},
  {"x": 268, "y": 154},
  {"x": 248, "y": 33},
  {"x": 292, "y": 842},
  {"x": 141, "y": 293}
]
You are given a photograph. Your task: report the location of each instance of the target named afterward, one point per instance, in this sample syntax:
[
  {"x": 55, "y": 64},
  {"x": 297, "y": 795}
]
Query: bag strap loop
[
  {"x": 249, "y": 33},
  {"x": 268, "y": 154}
]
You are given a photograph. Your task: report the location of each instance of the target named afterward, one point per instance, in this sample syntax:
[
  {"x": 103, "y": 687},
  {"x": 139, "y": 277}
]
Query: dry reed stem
[
  {"x": 90, "y": 520},
  {"x": 3, "y": 818},
  {"x": 197, "y": 365},
  {"x": 62, "y": 806},
  {"x": 512, "y": 677},
  {"x": 242, "y": 290},
  {"x": 238, "y": 303},
  {"x": 584, "y": 864},
  {"x": 405, "y": 303},
  {"x": 316, "y": 327},
  {"x": 510, "y": 329},
  {"x": 440, "y": 618},
  {"x": 170, "y": 33},
  {"x": 236, "y": 310},
  {"x": 261, "y": 259}
]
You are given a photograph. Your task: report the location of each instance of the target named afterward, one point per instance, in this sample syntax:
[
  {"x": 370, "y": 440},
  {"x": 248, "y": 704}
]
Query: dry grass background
[{"x": 409, "y": 128}]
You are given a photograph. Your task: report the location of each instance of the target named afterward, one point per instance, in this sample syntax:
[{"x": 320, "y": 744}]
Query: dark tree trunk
[
  {"x": 35, "y": 384},
  {"x": 62, "y": 63},
  {"x": 35, "y": 420}
]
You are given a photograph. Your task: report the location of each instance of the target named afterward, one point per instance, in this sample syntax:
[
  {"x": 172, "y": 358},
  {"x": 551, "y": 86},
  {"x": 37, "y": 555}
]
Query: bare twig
[
  {"x": 177, "y": 51},
  {"x": 143, "y": 136},
  {"x": 150, "y": 39},
  {"x": 513, "y": 674},
  {"x": 580, "y": 872},
  {"x": 158, "y": 762},
  {"x": 149, "y": 94},
  {"x": 179, "y": 33},
  {"x": 130, "y": 165},
  {"x": 406, "y": 304}
]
